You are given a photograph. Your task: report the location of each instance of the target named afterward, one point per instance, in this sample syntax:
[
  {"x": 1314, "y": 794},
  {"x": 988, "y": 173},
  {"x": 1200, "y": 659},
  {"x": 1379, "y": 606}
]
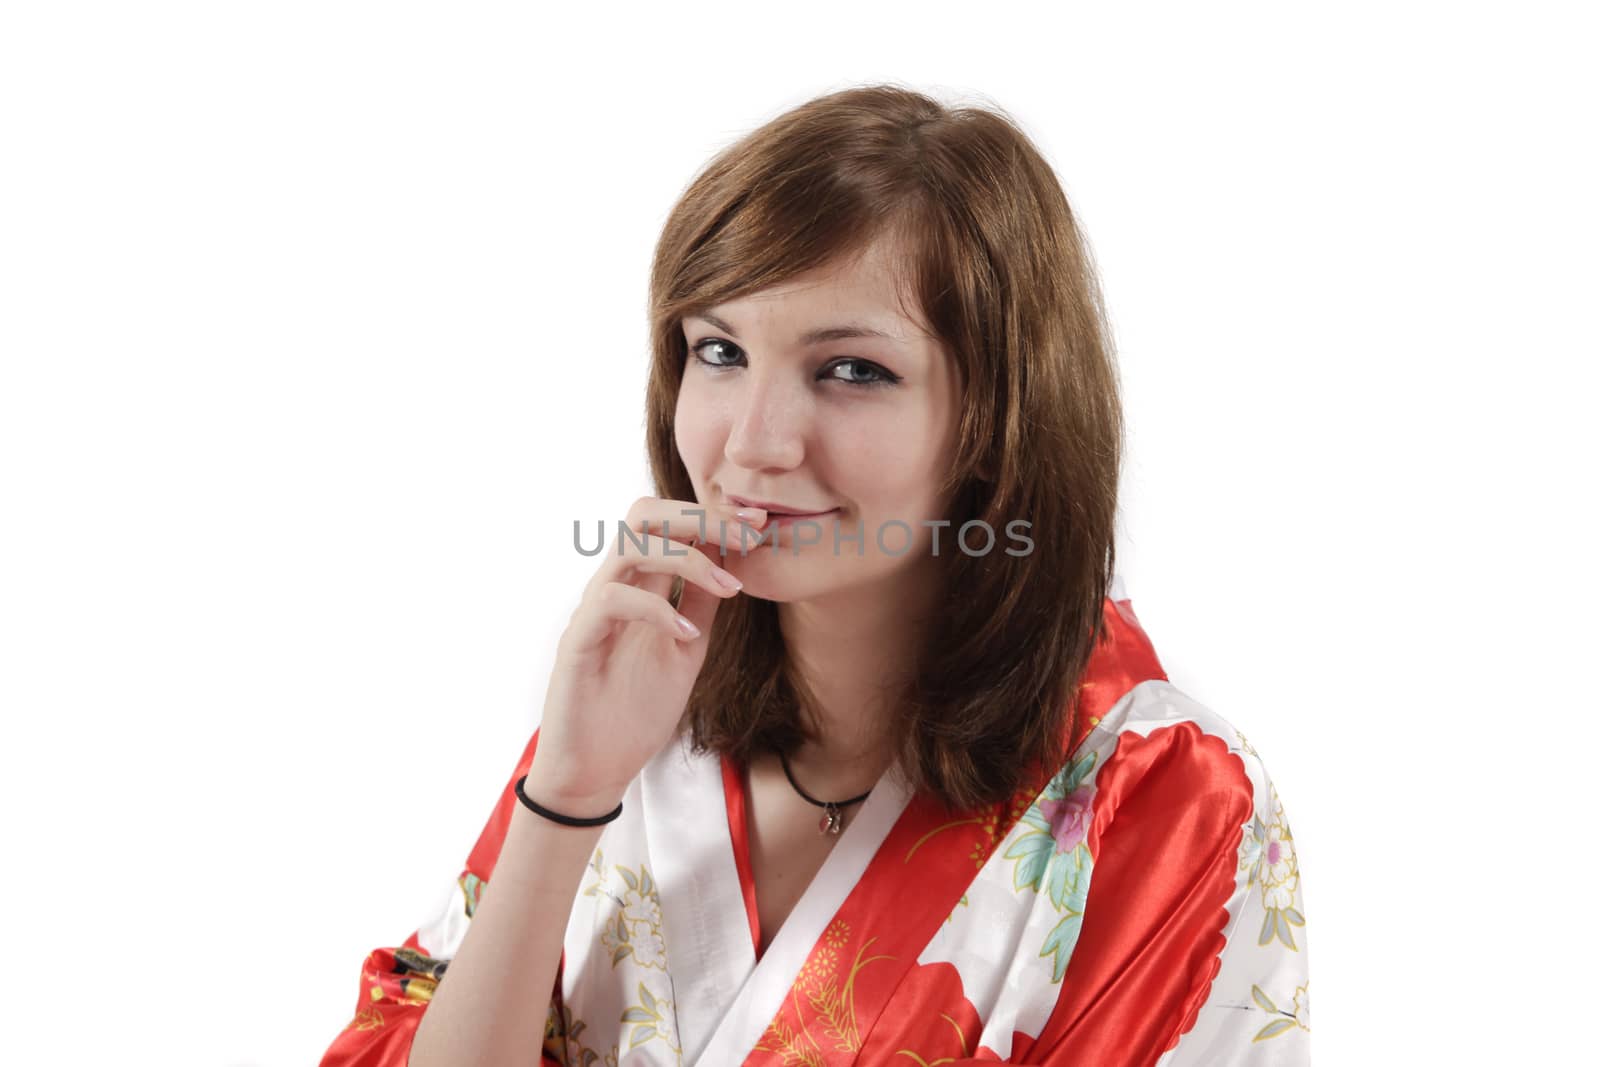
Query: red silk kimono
[{"x": 1142, "y": 907}]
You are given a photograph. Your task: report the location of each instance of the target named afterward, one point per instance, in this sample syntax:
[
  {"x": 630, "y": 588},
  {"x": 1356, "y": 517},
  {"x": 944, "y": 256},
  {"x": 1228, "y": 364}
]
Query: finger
[
  {"x": 667, "y": 558},
  {"x": 699, "y": 606},
  {"x": 651, "y": 562},
  {"x": 614, "y": 603},
  {"x": 686, "y": 520}
]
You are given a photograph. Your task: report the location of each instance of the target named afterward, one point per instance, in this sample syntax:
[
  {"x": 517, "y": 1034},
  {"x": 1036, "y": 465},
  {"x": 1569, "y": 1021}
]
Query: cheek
[
  {"x": 695, "y": 428},
  {"x": 888, "y": 465}
]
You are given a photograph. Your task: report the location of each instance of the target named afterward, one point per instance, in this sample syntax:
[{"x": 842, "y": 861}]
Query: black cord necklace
[{"x": 833, "y": 817}]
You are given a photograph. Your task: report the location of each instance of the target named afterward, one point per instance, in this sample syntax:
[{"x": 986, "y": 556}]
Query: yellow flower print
[
  {"x": 653, "y": 1019},
  {"x": 829, "y": 990},
  {"x": 564, "y": 1041},
  {"x": 649, "y": 949},
  {"x": 1286, "y": 1021},
  {"x": 1280, "y": 872},
  {"x": 631, "y": 926},
  {"x": 1269, "y": 853}
]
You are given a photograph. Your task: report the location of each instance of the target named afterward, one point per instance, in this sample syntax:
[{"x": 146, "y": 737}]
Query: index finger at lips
[{"x": 693, "y": 523}]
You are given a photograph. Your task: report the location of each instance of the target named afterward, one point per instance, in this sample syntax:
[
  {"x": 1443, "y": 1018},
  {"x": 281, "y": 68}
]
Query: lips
[{"x": 773, "y": 508}]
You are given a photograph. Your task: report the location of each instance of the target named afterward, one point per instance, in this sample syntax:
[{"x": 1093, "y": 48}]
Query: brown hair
[{"x": 1005, "y": 280}]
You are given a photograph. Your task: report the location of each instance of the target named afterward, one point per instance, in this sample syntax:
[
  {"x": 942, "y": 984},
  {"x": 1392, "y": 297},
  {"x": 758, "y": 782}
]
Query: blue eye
[
  {"x": 877, "y": 375},
  {"x": 881, "y": 376},
  {"x": 700, "y": 347}
]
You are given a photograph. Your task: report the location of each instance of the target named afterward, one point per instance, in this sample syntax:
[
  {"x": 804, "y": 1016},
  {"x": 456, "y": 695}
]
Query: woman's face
[{"x": 860, "y": 427}]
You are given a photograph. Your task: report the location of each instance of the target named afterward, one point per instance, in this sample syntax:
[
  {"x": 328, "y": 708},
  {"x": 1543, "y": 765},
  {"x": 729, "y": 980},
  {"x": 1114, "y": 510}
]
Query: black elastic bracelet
[{"x": 565, "y": 820}]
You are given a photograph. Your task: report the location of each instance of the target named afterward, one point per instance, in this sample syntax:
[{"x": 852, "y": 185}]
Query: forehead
[{"x": 866, "y": 293}]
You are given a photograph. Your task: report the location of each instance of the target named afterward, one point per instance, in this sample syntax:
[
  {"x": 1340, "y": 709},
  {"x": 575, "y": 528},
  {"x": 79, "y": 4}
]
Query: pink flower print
[{"x": 1069, "y": 817}]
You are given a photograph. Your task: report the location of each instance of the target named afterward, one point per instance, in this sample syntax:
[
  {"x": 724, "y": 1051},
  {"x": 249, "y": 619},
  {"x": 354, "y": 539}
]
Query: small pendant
[{"x": 832, "y": 821}]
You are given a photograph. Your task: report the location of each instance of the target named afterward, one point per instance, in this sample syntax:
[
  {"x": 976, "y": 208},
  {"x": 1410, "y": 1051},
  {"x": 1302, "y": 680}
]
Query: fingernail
[
  {"x": 688, "y": 627},
  {"x": 755, "y": 515},
  {"x": 726, "y": 578}
]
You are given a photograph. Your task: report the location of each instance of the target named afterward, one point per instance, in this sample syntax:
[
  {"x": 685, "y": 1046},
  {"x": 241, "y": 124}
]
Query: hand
[{"x": 624, "y": 666}]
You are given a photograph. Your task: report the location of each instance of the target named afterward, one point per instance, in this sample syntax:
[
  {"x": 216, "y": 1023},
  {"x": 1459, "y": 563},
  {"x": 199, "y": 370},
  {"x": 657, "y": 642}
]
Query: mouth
[
  {"x": 779, "y": 514},
  {"x": 782, "y": 519}
]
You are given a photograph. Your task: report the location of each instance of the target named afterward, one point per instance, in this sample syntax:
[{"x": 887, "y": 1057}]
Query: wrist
[{"x": 572, "y": 799}]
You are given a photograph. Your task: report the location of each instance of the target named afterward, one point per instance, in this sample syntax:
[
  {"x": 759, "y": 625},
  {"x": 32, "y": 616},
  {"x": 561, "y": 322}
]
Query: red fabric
[
  {"x": 1169, "y": 816},
  {"x": 380, "y": 1035},
  {"x": 387, "y": 1014},
  {"x": 867, "y": 956},
  {"x": 1165, "y": 835},
  {"x": 735, "y": 790}
]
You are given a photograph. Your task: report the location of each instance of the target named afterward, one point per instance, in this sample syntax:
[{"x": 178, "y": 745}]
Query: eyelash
[{"x": 885, "y": 377}]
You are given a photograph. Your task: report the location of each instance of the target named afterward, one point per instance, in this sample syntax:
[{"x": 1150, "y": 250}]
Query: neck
[{"x": 854, "y": 652}]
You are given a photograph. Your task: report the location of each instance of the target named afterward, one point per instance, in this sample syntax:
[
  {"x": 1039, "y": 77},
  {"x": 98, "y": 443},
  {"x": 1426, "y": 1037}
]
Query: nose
[{"x": 770, "y": 422}]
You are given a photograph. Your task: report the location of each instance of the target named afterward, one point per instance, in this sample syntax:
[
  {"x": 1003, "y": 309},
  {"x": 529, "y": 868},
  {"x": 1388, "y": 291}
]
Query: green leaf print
[
  {"x": 1060, "y": 943},
  {"x": 1034, "y": 850},
  {"x": 1069, "y": 879},
  {"x": 1079, "y": 771},
  {"x": 472, "y": 889}
]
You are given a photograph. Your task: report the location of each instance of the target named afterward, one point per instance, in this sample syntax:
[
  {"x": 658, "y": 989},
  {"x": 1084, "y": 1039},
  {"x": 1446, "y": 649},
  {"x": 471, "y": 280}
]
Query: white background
[{"x": 321, "y": 322}]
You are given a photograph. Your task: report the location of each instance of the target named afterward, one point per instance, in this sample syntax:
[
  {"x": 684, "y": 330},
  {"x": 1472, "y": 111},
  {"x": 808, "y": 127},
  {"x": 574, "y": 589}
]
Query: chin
[{"x": 782, "y": 577}]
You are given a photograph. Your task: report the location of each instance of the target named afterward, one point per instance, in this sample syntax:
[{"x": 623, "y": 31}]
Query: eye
[
  {"x": 863, "y": 373},
  {"x": 699, "y": 347},
  {"x": 879, "y": 376}
]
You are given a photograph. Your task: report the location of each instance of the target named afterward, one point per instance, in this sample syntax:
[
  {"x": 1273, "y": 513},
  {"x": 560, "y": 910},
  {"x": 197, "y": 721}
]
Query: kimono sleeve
[
  {"x": 1192, "y": 944},
  {"x": 397, "y": 983}
]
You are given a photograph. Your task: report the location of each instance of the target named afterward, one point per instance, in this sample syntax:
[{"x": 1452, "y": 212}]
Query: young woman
[{"x": 854, "y": 751}]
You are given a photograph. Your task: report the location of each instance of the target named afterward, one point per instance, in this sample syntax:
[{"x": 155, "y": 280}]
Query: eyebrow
[{"x": 810, "y": 337}]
